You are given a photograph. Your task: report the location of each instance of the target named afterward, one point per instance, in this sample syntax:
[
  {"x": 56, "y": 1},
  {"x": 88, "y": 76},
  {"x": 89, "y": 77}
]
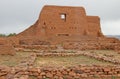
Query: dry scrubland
[
  {"x": 18, "y": 58},
  {"x": 66, "y": 61},
  {"x": 55, "y": 36},
  {"x": 68, "y": 64}
]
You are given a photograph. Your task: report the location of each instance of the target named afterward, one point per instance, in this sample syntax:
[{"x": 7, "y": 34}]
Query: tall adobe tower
[{"x": 62, "y": 22}]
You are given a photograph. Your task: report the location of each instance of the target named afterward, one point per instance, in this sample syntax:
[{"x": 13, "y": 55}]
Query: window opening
[{"x": 63, "y": 16}]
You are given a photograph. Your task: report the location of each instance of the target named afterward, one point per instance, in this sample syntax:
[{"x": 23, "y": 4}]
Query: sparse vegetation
[
  {"x": 58, "y": 62},
  {"x": 18, "y": 58},
  {"x": 5, "y": 35},
  {"x": 32, "y": 77},
  {"x": 11, "y": 34},
  {"x": 68, "y": 61},
  {"x": 106, "y": 53},
  {"x": 2, "y": 35}
]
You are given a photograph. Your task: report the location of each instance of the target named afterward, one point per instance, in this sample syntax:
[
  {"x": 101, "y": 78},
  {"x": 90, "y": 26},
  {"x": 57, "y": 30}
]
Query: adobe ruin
[
  {"x": 69, "y": 26},
  {"x": 62, "y": 22}
]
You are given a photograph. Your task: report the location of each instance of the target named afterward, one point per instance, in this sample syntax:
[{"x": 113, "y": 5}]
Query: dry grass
[
  {"x": 68, "y": 61},
  {"x": 8, "y": 60},
  {"x": 22, "y": 57},
  {"x": 106, "y": 53}
]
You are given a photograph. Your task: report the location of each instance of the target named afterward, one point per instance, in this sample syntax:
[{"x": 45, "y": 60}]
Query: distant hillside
[{"x": 116, "y": 36}]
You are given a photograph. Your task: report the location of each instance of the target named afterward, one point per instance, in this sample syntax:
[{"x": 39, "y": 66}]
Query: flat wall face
[
  {"x": 94, "y": 26},
  {"x": 5, "y": 47},
  {"x": 62, "y": 21}
]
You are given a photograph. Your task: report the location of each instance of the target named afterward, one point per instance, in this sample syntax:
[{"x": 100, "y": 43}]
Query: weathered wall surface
[
  {"x": 73, "y": 23},
  {"x": 67, "y": 21},
  {"x": 94, "y": 26},
  {"x": 5, "y": 47},
  {"x": 62, "y": 22}
]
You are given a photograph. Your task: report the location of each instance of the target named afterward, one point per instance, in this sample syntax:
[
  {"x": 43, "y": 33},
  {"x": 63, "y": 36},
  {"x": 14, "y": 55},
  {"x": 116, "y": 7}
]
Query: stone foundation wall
[
  {"x": 59, "y": 73},
  {"x": 91, "y": 55},
  {"x": 76, "y": 43},
  {"x": 93, "y": 44},
  {"x": 37, "y": 47}
]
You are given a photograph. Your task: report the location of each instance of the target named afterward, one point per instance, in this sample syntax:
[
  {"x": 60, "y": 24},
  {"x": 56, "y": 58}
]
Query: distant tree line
[{"x": 5, "y": 35}]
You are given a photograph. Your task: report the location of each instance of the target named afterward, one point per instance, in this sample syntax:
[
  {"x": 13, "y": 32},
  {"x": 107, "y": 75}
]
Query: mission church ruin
[
  {"x": 62, "y": 22},
  {"x": 69, "y": 26}
]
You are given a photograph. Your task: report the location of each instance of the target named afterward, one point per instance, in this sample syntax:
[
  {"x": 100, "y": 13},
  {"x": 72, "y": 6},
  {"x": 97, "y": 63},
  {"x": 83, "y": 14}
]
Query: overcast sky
[{"x": 17, "y": 15}]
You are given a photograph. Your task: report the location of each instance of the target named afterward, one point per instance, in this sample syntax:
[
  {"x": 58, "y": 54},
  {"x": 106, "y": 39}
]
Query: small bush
[
  {"x": 2, "y": 35},
  {"x": 11, "y": 34}
]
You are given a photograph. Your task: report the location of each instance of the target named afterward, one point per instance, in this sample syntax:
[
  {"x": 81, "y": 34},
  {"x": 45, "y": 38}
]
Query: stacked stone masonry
[{"x": 91, "y": 72}]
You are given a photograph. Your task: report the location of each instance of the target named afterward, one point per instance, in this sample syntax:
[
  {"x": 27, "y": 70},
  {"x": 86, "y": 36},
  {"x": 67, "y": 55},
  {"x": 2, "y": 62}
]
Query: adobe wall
[
  {"x": 75, "y": 22},
  {"x": 94, "y": 26},
  {"x": 51, "y": 22},
  {"x": 51, "y": 25},
  {"x": 5, "y": 47}
]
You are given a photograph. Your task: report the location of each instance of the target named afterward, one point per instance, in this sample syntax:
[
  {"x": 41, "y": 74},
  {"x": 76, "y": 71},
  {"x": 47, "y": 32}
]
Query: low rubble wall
[{"x": 77, "y": 72}]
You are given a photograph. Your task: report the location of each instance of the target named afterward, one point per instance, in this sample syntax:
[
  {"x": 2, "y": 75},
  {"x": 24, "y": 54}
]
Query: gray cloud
[{"x": 17, "y": 15}]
